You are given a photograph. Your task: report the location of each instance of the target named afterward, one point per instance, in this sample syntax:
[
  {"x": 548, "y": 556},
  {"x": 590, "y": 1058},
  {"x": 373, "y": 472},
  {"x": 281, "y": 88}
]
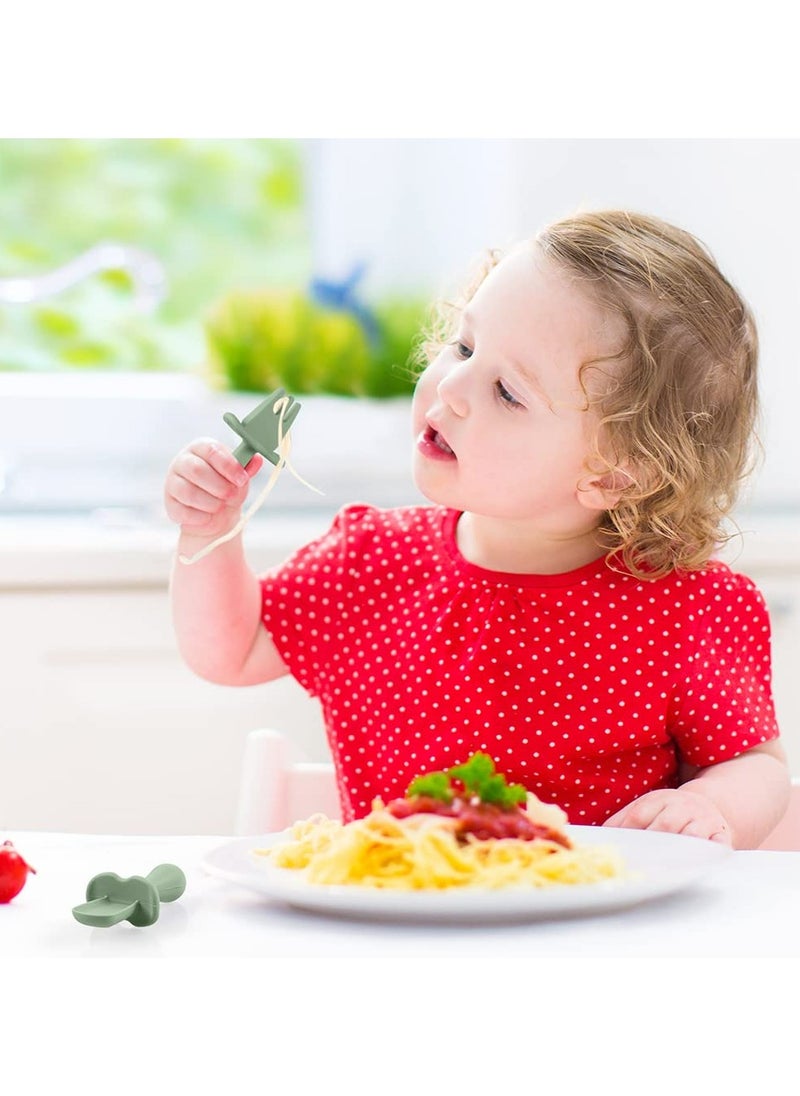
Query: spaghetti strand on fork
[{"x": 284, "y": 449}]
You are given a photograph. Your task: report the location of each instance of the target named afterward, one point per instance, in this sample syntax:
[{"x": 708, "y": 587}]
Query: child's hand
[
  {"x": 674, "y": 810},
  {"x": 206, "y": 488}
]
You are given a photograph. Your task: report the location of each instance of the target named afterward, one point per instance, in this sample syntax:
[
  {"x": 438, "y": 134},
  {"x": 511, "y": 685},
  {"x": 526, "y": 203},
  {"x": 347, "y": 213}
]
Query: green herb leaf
[
  {"x": 476, "y": 773},
  {"x": 477, "y": 777},
  {"x": 436, "y": 785}
]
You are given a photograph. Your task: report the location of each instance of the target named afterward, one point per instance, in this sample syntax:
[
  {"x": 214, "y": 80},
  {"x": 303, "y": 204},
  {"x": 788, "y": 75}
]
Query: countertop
[
  {"x": 112, "y": 549},
  {"x": 747, "y": 906},
  {"x": 120, "y": 548}
]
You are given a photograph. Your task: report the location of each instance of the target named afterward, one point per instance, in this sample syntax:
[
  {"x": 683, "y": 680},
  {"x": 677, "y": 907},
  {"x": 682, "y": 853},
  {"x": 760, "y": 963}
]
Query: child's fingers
[
  {"x": 673, "y": 811},
  {"x": 187, "y": 516},
  {"x": 254, "y": 465},
  {"x": 205, "y": 481},
  {"x": 638, "y": 815},
  {"x": 221, "y": 475},
  {"x": 209, "y": 500},
  {"x": 213, "y": 467},
  {"x": 187, "y": 504}
]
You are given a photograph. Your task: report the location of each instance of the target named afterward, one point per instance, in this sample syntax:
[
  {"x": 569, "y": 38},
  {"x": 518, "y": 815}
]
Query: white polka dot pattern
[{"x": 585, "y": 686}]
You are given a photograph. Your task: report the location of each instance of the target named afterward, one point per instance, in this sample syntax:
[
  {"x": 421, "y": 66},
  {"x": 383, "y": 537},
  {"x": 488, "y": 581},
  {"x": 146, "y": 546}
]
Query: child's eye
[{"x": 505, "y": 396}]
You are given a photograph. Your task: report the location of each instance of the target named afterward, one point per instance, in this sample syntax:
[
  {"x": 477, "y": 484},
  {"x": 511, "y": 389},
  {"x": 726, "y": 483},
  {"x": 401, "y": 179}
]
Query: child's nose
[{"x": 452, "y": 391}]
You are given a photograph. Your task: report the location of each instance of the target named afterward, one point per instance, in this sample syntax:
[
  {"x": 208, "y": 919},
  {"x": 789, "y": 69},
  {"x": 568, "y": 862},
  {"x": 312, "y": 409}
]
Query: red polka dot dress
[{"x": 587, "y": 687}]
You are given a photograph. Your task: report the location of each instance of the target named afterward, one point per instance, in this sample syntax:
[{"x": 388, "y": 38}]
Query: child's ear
[{"x": 602, "y": 491}]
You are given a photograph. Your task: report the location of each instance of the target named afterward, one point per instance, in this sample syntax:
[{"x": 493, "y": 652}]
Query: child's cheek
[{"x": 425, "y": 391}]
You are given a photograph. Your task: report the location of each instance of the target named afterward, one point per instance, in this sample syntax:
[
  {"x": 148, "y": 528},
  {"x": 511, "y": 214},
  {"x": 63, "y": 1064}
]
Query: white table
[{"x": 748, "y": 907}]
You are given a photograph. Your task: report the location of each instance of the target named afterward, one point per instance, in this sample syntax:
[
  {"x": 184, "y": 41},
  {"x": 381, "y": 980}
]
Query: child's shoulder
[
  {"x": 365, "y": 519},
  {"x": 714, "y": 586},
  {"x": 716, "y": 576}
]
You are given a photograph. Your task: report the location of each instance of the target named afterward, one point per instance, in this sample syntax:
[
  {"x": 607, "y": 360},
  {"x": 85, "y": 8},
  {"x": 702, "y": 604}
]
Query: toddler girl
[{"x": 582, "y": 422}]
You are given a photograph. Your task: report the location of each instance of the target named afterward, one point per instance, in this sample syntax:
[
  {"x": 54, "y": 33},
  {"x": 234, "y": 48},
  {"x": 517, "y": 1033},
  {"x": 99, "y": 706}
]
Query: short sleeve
[
  {"x": 723, "y": 705},
  {"x": 307, "y": 599}
]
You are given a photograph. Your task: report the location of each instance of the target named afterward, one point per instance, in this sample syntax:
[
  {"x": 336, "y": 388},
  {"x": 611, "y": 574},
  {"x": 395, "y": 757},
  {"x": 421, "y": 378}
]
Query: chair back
[{"x": 278, "y": 786}]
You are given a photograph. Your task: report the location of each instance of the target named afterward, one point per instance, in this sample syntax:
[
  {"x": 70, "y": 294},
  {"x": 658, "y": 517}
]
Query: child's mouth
[{"x": 432, "y": 444}]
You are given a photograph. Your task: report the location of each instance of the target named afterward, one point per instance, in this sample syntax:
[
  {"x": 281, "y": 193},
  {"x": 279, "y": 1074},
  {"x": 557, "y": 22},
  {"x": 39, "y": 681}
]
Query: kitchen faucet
[{"x": 147, "y": 274}]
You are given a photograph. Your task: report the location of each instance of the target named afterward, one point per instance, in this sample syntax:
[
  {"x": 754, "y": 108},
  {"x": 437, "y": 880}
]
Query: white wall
[{"x": 417, "y": 211}]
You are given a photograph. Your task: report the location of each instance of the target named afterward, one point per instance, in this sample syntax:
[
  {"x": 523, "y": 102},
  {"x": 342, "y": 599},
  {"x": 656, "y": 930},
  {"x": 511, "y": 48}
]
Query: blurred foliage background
[
  {"x": 228, "y": 221},
  {"x": 216, "y": 214},
  {"x": 258, "y": 341}
]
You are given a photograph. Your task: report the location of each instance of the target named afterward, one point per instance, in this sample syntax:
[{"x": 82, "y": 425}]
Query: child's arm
[
  {"x": 738, "y": 802},
  {"x": 216, "y": 602}
]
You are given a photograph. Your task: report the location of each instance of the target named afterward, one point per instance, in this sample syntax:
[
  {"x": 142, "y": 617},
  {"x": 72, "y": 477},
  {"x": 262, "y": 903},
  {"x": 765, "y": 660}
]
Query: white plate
[{"x": 659, "y": 863}]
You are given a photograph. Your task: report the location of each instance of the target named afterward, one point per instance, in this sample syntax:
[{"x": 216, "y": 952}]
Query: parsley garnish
[{"x": 477, "y": 777}]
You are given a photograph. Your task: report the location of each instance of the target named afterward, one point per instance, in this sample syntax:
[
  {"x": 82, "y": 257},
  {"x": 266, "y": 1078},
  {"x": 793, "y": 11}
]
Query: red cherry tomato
[{"x": 13, "y": 872}]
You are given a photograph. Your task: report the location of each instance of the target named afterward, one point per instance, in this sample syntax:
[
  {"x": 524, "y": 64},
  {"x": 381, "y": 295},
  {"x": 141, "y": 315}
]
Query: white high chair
[{"x": 278, "y": 787}]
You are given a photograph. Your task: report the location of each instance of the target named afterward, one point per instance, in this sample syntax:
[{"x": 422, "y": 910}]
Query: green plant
[
  {"x": 215, "y": 213},
  {"x": 261, "y": 340}
]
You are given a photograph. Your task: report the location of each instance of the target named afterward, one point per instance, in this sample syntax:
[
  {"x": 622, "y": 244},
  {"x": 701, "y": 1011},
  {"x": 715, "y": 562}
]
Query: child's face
[{"x": 506, "y": 399}]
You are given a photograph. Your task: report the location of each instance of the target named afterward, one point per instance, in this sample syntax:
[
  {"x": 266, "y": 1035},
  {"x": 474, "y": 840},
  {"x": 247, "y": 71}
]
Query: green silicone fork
[{"x": 259, "y": 430}]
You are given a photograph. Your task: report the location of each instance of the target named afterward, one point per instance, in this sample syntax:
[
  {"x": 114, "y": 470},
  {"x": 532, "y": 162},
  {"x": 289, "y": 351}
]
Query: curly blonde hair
[{"x": 678, "y": 404}]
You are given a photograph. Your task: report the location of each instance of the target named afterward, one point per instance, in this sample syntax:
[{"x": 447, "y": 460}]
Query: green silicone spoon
[
  {"x": 111, "y": 899},
  {"x": 259, "y": 429}
]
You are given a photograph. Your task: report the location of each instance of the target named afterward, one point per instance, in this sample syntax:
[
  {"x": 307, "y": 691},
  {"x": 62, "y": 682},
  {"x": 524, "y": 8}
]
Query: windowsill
[
  {"x": 76, "y": 444},
  {"x": 86, "y": 455},
  {"x": 40, "y": 551},
  {"x": 47, "y": 552}
]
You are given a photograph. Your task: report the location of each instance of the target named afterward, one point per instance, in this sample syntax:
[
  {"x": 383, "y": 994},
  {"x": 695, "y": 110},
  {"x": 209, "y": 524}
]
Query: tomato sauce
[{"x": 484, "y": 820}]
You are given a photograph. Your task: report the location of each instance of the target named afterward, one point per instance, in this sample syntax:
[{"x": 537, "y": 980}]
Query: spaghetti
[{"x": 424, "y": 851}]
